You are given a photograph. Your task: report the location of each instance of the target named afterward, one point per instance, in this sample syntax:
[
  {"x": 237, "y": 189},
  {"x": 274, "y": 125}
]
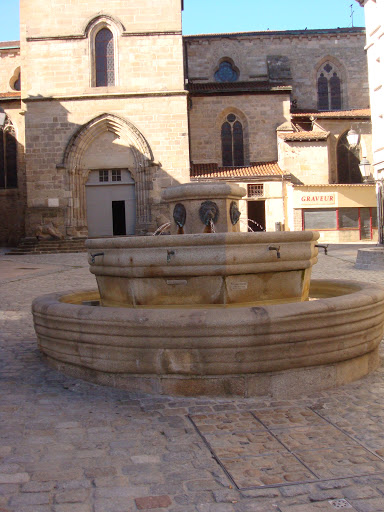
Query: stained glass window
[
  {"x": 105, "y": 58},
  {"x": 329, "y": 95},
  {"x": 226, "y": 143},
  {"x": 226, "y": 73},
  {"x": 232, "y": 142},
  {"x": 335, "y": 86},
  {"x": 238, "y": 144},
  {"x": 322, "y": 91}
]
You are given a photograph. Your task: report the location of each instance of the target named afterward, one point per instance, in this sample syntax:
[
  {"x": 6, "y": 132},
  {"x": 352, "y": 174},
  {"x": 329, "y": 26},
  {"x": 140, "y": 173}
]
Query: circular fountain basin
[
  {"x": 214, "y": 268},
  {"x": 233, "y": 350}
]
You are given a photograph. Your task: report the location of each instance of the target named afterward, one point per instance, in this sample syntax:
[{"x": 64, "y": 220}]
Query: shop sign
[{"x": 310, "y": 198}]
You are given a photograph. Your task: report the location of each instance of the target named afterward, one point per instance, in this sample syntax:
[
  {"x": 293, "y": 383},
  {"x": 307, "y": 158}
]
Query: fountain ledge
[{"x": 277, "y": 350}]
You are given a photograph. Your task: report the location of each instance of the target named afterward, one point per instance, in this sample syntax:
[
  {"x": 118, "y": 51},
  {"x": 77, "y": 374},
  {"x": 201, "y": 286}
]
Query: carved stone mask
[
  {"x": 179, "y": 215},
  {"x": 209, "y": 211}
]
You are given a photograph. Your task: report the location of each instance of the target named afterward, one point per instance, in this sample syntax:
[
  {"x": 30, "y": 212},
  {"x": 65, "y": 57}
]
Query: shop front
[{"x": 340, "y": 213}]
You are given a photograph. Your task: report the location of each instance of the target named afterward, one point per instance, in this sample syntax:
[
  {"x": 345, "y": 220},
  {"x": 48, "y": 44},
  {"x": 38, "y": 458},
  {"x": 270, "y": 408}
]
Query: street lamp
[
  {"x": 365, "y": 169},
  {"x": 353, "y": 138}
]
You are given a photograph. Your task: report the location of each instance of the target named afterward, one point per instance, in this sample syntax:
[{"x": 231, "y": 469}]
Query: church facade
[{"x": 102, "y": 109}]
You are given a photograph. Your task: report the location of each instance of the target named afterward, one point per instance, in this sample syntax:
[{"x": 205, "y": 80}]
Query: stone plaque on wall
[{"x": 279, "y": 68}]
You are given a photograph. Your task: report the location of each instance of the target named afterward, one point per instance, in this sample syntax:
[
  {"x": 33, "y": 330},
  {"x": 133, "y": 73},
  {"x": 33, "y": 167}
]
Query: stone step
[{"x": 34, "y": 246}]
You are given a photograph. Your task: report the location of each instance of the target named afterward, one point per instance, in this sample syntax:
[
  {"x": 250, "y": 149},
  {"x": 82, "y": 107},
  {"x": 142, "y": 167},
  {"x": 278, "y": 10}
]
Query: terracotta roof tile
[
  {"x": 255, "y": 169},
  {"x": 13, "y": 95},
  {"x": 363, "y": 112},
  {"x": 5, "y": 45},
  {"x": 304, "y": 136},
  {"x": 230, "y": 87}
]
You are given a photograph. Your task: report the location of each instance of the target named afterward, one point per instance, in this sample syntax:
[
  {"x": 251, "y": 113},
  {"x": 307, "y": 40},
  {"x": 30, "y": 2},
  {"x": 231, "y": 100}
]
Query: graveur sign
[{"x": 315, "y": 198}]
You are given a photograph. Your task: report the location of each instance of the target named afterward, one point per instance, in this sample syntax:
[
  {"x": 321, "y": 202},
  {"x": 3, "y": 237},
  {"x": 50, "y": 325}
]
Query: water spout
[
  {"x": 275, "y": 248},
  {"x": 325, "y": 247},
  {"x": 93, "y": 256},
  {"x": 169, "y": 254}
]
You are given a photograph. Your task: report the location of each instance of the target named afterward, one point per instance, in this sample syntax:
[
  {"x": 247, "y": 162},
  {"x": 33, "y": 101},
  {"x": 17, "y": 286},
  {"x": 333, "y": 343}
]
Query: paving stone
[
  {"x": 369, "y": 505},
  {"x": 68, "y": 439},
  {"x": 36, "y": 498},
  {"x": 324, "y": 506},
  {"x": 360, "y": 492},
  {"x": 153, "y": 502}
]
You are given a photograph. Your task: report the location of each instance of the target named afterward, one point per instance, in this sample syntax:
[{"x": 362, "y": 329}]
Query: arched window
[
  {"x": 322, "y": 92},
  {"x": 232, "y": 142},
  {"x": 8, "y": 156},
  {"x": 104, "y": 58},
  {"x": 335, "y": 86},
  {"x": 348, "y": 160},
  {"x": 17, "y": 83},
  {"x": 226, "y": 72},
  {"x": 329, "y": 88}
]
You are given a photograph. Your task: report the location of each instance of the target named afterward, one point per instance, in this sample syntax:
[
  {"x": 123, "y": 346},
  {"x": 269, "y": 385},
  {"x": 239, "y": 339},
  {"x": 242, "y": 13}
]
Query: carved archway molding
[{"x": 77, "y": 175}]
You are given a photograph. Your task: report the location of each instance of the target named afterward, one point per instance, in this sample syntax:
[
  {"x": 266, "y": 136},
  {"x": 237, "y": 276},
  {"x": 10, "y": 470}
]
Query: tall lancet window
[
  {"x": 329, "y": 88},
  {"x": 232, "y": 142},
  {"x": 104, "y": 58}
]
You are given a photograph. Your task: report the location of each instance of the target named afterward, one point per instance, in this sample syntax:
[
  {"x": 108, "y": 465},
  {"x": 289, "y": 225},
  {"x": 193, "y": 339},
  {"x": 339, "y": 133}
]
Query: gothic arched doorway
[{"x": 348, "y": 160}]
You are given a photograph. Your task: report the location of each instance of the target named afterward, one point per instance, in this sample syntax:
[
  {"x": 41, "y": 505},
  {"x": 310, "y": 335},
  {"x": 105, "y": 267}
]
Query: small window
[
  {"x": 116, "y": 175},
  {"x": 104, "y": 58},
  {"x": 103, "y": 176},
  {"x": 256, "y": 190}
]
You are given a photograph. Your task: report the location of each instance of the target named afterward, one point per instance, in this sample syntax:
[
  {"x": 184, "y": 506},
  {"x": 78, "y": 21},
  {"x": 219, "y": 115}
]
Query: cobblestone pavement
[{"x": 70, "y": 446}]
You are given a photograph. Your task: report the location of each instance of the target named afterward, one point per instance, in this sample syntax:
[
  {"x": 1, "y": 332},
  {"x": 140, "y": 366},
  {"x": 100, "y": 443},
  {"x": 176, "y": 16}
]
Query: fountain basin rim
[
  {"x": 203, "y": 191},
  {"x": 202, "y": 239},
  {"x": 328, "y": 293}
]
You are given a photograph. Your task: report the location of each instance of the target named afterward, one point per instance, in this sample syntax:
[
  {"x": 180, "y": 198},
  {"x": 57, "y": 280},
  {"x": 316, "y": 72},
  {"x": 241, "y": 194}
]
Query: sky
[{"x": 216, "y": 16}]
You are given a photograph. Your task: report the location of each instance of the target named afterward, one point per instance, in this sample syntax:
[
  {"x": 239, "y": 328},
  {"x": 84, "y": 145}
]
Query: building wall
[
  {"x": 308, "y": 162},
  {"x": 9, "y": 65},
  {"x": 305, "y": 53},
  {"x": 337, "y": 128},
  {"x": 148, "y": 104},
  {"x": 12, "y": 200},
  {"x": 260, "y": 115},
  {"x": 374, "y": 17}
]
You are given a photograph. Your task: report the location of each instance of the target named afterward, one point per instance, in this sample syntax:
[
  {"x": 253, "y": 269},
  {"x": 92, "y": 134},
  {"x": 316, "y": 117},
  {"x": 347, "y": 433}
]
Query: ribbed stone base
[{"x": 284, "y": 384}]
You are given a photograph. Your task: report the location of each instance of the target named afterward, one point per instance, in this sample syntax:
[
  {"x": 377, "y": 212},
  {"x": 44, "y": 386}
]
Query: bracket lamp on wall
[
  {"x": 365, "y": 169},
  {"x": 353, "y": 138},
  {"x": 3, "y": 118}
]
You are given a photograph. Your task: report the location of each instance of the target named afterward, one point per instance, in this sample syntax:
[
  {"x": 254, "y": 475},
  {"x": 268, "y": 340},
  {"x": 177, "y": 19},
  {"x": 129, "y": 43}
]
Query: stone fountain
[{"x": 208, "y": 310}]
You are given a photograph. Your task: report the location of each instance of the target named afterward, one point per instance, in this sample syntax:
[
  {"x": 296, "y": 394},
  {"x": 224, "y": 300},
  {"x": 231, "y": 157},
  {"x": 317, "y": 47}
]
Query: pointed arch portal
[{"x": 76, "y": 161}]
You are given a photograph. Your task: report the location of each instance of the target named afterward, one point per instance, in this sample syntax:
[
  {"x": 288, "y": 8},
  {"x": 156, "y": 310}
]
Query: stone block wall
[
  {"x": 305, "y": 52},
  {"x": 260, "y": 115},
  {"x": 9, "y": 65},
  {"x": 13, "y": 200},
  {"x": 308, "y": 162},
  {"x": 40, "y": 18},
  {"x": 162, "y": 121}
]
